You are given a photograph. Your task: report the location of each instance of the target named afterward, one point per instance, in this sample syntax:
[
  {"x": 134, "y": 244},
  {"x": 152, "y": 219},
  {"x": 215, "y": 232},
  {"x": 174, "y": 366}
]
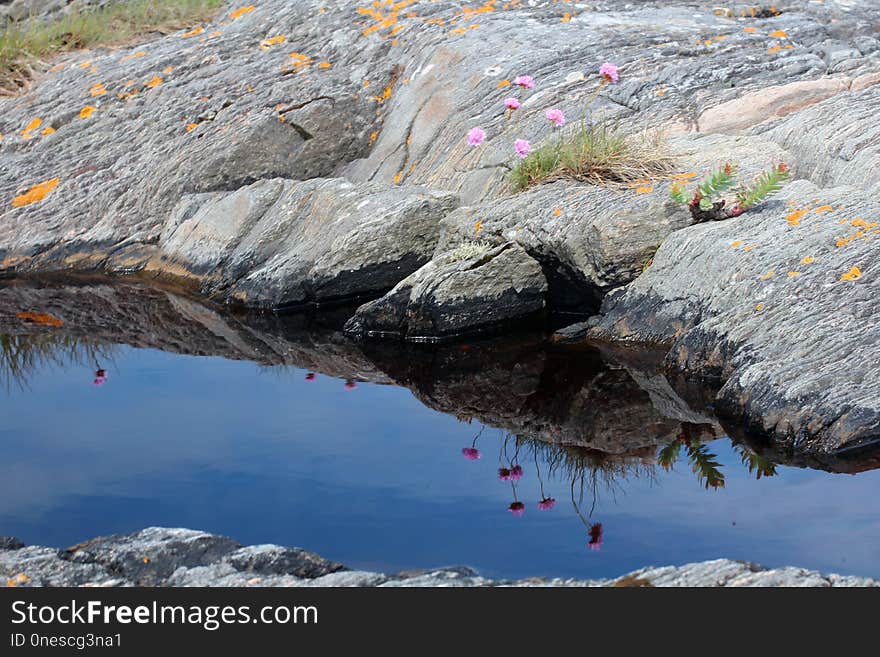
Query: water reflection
[{"x": 570, "y": 427}]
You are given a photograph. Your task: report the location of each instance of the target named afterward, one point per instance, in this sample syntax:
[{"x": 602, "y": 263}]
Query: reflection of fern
[
  {"x": 669, "y": 455},
  {"x": 757, "y": 463},
  {"x": 22, "y": 355},
  {"x": 705, "y": 466}
]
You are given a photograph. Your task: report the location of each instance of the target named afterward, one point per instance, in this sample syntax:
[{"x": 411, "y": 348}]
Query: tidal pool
[{"x": 138, "y": 407}]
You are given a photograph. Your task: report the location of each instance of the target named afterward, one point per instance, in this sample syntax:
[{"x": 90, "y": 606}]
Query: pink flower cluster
[
  {"x": 522, "y": 147},
  {"x": 100, "y": 377}
]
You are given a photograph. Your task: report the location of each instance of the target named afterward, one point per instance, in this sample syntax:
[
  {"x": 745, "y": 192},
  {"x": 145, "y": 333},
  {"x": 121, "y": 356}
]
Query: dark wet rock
[
  {"x": 282, "y": 243},
  {"x": 10, "y": 543},
  {"x": 273, "y": 565},
  {"x": 469, "y": 288}
]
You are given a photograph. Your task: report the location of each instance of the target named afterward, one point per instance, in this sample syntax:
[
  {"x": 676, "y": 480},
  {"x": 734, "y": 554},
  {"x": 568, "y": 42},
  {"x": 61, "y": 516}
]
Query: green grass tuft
[
  {"x": 26, "y": 46},
  {"x": 597, "y": 155}
]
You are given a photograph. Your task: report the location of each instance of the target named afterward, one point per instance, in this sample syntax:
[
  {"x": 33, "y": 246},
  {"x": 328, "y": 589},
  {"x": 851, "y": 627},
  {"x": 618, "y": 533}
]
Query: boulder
[
  {"x": 469, "y": 288},
  {"x": 279, "y": 243},
  {"x": 778, "y": 306}
]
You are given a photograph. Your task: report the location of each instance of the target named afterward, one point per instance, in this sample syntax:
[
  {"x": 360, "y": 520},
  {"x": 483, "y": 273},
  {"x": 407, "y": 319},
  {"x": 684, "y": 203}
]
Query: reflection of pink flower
[
  {"x": 100, "y": 377},
  {"x": 310, "y": 376},
  {"x": 555, "y": 116},
  {"x": 546, "y": 504},
  {"x": 595, "y": 533},
  {"x": 609, "y": 72},
  {"x": 517, "y": 508},
  {"x": 350, "y": 385},
  {"x": 516, "y": 473},
  {"x": 511, "y": 103},
  {"x": 504, "y": 474},
  {"x": 524, "y": 81},
  {"x": 476, "y": 136},
  {"x": 470, "y": 453},
  {"x": 522, "y": 147}
]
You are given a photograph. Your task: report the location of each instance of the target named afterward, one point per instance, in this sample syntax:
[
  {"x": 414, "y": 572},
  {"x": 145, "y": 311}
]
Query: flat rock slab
[
  {"x": 780, "y": 305},
  {"x": 457, "y": 292},
  {"x": 278, "y": 242},
  {"x": 175, "y": 553}
]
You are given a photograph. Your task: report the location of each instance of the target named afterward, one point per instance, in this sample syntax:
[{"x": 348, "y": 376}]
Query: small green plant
[
  {"x": 25, "y": 45},
  {"x": 469, "y": 250},
  {"x": 706, "y": 202}
]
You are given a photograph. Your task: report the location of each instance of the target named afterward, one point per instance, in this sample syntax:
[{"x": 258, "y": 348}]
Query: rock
[
  {"x": 469, "y": 288},
  {"x": 40, "y": 566},
  {"x": 589, "y": 239},
  {"x": 278, "y": 243},
  {"x": 275, "y": 560},
  {"x": 769, "y": 305},
  {"x": 10, "y": 543}
]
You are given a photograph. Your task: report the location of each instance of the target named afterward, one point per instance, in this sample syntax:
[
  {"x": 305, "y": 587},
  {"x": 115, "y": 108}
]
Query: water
[{"x": 373, "y": 474}]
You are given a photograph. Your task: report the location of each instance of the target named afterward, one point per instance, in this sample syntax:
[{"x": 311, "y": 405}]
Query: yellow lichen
[
  {"x": 735, "y": 244},
  {"x": 241, "y": 11},
  {"x": 154, "y": 82},
  {"x": 266, "y": 44},
  {"x": 852, "y": 275},
  {"x": 779, "y": 34},
  {"x": 769, "y": 274},
  {"x": 30, "y": 127},
  {"x": 97, "y": 89},
  {"x": 808, "y": 260},
  {"x": 36, "y": 193},
  {"x": 794, "y": 218},
  {"x": 48, "y": 130}
]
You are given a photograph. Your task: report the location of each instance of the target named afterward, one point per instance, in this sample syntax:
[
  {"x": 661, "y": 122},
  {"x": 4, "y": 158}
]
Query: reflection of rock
[
  {"x": 564, "y": 395},
  {"x": 157, "y": 556}
]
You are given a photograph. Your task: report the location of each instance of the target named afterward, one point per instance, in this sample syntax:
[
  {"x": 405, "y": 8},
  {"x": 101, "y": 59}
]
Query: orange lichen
[
  {"x": 779, "y": 34},
  {"x": 735, "y": 244},
  {"x": 566, "y": 17},
  {"x": 749, "y": 30},
  {"x": 167, "y": 70},
  {"x": 853, "y": 274},
  {"x": 557, "y": 211},
  {"x": 773, "y": 50},
  {"x": 56, "y": 68},
  {"x": 241, "y": 11},
  {"x": 43, "y": 319},
  {"x": 748, "y": 248},
  {"x": 398, "y": 177},
  {"x": 685, "y": 176},
  {"x": 374, "y": 136},
  {"x": 793, "y": 273},
  {"x": 808, "y": 260},
  {"x": 478, "y": 227},
  {"x": 97, "y": 89},
  {"x": 154, "y": 82},
  {"x": 794, "y": 218},
  {"x": 193, "y": 32},
  {"x": 324, "y": 64},
  {"x": 823, "y": 208},
  {"x": 191, "y": 126},
  {"x": 503, "y": 83},
  {"x": 30, "y": 127},
  {"x": 769, "y": 274},
  {"x": 48, "y": 130},
  {"x": 36, "y": 193},
  {"x": 266, "y": 44},
  {"x": 759, "y": 307},
  {"x": 386, "y": 94},
  {"x": 139, "y": 53},
  {"x": 85, "y": 64},
  {"x": 645, "y": 189}
]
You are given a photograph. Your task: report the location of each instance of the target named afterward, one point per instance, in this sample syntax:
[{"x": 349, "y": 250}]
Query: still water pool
[{"x": 367, "y": 458}]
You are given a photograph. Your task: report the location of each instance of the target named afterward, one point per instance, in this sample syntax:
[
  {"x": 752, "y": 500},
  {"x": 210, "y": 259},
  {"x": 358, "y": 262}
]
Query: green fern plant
[{"x": 706, "y": 202}]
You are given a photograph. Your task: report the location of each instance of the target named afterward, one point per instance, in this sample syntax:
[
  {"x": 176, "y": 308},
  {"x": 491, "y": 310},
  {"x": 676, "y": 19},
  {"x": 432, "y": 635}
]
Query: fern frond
[
  {"x": 757, "y": 464},
  {"x": 667, "y": 456},
  {"x": 768, "y": 183},
  {"x": 705, "y": 466},
  {"x": 718, "y": 181}
]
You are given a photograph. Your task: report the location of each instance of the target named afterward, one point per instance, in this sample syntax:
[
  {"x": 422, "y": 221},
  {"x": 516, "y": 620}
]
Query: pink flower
[
  {"x": 546, "y": 504},
  {"x": 470, "y": 453},
  {"x": 100, "y": 377},
  {"x": 350, "y": 385},
  {"x": 517, "y": 508},
  {"x": 595, "y": 536},
  {"x": 476, "y": 136},
  {"x": 609, "y": 72},
  {"x": 504, "y": 474},
  {"x": 511, "y": 103},
  {"x": 555, "y": 116},
  {"x": 524, "y": 81},
  {"x": 522, "y": 147},
  {"x": 516, "y": 473},
  {"x": 310, "y": 376}
]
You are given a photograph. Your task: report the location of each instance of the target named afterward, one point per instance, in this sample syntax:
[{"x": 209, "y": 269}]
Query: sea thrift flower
[
  {"x": 470, "y": 453},
  {"x": 609, "y": 72},
  {"x": 522, "y": 147},
  {"x": 517, "y": 508},
  {"x": 504, "y": 474},
  {"x": 100, "y": 377},
  {"x": 310, "y": 376},
  {"x": 555, "y": 116},
  {"x": 546, "y": 504},
  {"x": 350, "y": 385},
  {"x": 595, "y": 533},
  {"x": 511, "y": 103},
  {"x": 524, "y": 81},
  {"x": 476, "y": 136},
  {"x": 516, "y": 473}
]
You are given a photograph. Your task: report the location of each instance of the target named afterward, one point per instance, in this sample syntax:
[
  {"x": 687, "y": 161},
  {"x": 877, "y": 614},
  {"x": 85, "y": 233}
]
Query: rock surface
[
  {"x": 455, "y": 293},
  {"x": 159, "y": 556}
]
